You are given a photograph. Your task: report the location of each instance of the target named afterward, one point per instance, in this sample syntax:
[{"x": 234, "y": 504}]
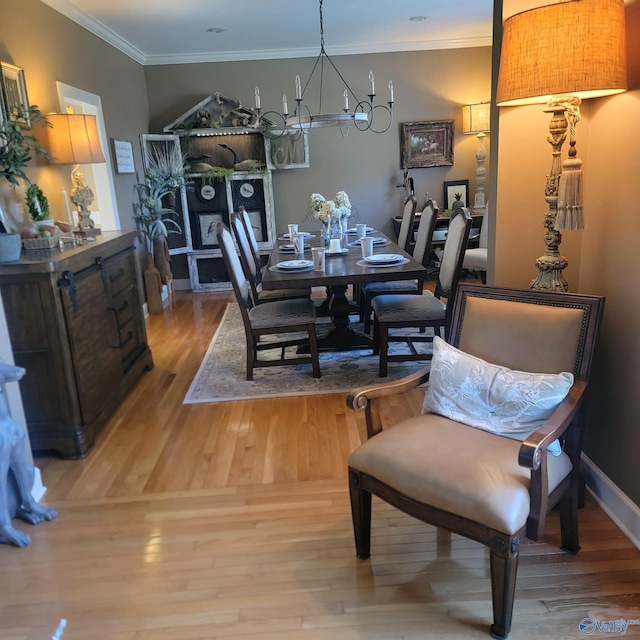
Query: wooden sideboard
[{"x": 76, "y": 325}]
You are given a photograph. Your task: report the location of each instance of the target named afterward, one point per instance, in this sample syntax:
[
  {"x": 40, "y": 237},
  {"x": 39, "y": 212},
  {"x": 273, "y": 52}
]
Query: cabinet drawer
[
  {"x": 125, "y": 305},
  {"x": 130, "y": 342},
  {"x": 121, "y": 273}
]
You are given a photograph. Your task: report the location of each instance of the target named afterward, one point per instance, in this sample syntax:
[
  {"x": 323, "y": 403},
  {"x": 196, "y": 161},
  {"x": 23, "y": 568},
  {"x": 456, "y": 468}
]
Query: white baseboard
[{"x": 617, "y": 505}]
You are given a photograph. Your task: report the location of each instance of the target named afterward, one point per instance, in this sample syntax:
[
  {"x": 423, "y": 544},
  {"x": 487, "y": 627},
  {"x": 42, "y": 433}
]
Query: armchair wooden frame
[{"x": 564, "y": 424}]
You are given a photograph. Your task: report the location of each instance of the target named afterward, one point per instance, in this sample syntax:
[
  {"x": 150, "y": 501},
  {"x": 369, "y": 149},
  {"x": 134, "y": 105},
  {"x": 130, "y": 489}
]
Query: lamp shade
[
  {"x": 575, "y": 47},
  {"x": 475, "y": 118},
  {"x": 73, "y": 139}
]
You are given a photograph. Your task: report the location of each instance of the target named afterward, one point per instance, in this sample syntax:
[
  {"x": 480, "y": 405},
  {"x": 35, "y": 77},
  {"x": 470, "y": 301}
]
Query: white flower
[{"x": 327, "y": 211}]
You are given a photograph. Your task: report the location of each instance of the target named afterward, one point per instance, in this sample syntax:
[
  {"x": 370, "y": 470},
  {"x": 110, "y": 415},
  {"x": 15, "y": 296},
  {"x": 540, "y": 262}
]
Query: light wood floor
[{"x": 232, "y": 521}]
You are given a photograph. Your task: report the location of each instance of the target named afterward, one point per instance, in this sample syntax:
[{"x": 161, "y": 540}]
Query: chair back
[
  {"x": 406, "y": 225},
  {"x": 527, "y": 330},
  {"x": 253, "y": 242},
  {"x": 246, "y": 255},
  {"x": 424, "y": 235},
  {"x": 484, "y": 229},
  {"x": 453, "y": 254},
  {"x": 234, "y": 269}
]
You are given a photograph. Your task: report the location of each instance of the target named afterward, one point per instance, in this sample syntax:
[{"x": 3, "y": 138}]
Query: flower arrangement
[{"x": 330, "y": 211}]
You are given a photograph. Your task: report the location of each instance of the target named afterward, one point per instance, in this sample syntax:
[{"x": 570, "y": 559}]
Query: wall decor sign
[
  {"x": 426, "y": 144},
  {"x": 123, "y": 156},
  {"x": 15, "y": 104}
]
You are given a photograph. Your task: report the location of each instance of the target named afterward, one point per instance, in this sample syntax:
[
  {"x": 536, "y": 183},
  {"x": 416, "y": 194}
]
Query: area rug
[{"x": 221, "y": 376}]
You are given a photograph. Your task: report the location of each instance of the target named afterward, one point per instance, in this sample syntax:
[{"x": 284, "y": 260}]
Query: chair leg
[
  {"x": 361, "y": 514},
  {"x": 568, "y": 508},
  {"x": 503, "y": 559},
  {"x": 252, "y": 355},
  {"x": 313, "y": 350},
  {"x": 366, "y": 313},
  {"x": 383, "y": 339}
]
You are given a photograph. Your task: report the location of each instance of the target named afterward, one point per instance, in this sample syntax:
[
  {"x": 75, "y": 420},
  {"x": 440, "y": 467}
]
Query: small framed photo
[
  {"x": 15, "y": 103},
  {"x": 123, "y": 156},
  {"x": 206, "y": 229},
  {"x": 456, "y": 190},
  {"x": 426, "y": 144}
]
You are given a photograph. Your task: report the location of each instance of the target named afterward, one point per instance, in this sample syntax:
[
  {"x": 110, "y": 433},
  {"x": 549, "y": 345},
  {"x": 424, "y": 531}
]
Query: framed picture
[
  {"x": 454, "y": 188},
  {"x": 426, "y": 144},
  {"x": 15, "y": 103},
  {"x": 123, "y": 156},
  {"x": 206, "y": 229},
  {"x": 287, "y": 150}
]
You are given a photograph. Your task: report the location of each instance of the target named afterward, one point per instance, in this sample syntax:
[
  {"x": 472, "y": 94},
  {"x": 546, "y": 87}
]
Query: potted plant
[
  {"x": 166, "y": 174},
  {"x": 16, "y": 151}
]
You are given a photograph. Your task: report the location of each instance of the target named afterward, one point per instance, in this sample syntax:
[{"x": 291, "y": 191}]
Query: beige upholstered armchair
[{"x": 499, "y": 440}]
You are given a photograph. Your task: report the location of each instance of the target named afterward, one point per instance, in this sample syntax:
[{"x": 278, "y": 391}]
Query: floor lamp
[
  {"x": 73, "y": 139},
  {"x": 561, "y": 54},
  {"x": 475, "y": 119}
]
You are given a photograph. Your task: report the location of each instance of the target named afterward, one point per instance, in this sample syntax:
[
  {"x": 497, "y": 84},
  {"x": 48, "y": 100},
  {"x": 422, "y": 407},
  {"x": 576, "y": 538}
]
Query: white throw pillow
[{"x": 477, "y": 393}]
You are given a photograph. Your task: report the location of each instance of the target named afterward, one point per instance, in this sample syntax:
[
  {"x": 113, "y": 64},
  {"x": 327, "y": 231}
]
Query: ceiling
[{"x": 182, "y": 31}]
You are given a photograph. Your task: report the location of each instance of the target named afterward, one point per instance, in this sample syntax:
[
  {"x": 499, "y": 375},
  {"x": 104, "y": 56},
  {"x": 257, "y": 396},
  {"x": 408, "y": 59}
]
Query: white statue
[{"x": 13, "y": 456}]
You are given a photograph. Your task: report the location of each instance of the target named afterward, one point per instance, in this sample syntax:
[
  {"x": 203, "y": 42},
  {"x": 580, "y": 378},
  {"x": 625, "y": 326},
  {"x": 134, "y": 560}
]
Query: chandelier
[{"x": 365, "y": 115}]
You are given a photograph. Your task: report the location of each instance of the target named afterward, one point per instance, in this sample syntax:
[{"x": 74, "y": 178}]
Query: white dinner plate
[
  {"x": 377, "y": 241},
  {"x": 372, "y": 265},
  {"x": 384, "y": 258},
  {"x": 354, "y": 230},
  {"x": 294, "y": 265},
  {"x": 306, "y": 234},
  {"x": 330, "y": 254},
  {"x": 289, "y": 248}
]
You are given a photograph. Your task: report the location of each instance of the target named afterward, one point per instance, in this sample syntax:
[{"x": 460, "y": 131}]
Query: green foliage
[
  {"x": 37, "y": 203},
  {"x": 17, "y": 146}
]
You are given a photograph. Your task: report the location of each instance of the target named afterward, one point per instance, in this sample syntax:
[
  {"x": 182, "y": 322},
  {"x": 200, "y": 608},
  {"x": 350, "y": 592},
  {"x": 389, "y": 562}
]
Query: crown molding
[
  {"x": 97, "y": 28},
  {"x": 111, "y": 37}
]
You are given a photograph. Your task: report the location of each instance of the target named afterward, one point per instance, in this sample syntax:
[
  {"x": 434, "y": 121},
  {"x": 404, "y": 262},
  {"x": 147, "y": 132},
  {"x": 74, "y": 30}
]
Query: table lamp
[
  {"x": 475, "y": 119},
  {"x": 560, "y": 54},
  {"x": 73, "y": 139}
]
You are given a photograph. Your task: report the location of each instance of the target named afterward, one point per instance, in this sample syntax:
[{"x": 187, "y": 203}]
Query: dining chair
[
  {"x": 499, "y": 440},
  {"x": 254, "y": 273},
  {"x": 421, "y": 252},
  {"x": 253, "y": 241},
  {"x": 404, "y": 311},
  {"x": 476, "y": 259},
  {"x": 405, "y": 233},
  {"x": 281, "y": 316}
]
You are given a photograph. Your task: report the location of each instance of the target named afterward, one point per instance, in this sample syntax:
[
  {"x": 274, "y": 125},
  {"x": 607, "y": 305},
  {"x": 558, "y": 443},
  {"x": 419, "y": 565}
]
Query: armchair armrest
[
  {"x": 531, "y": 450},
  {"x": 366, "y": 398}
]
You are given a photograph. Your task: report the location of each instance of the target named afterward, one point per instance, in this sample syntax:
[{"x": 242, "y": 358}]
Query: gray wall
[{"x": 429, "y": 85}]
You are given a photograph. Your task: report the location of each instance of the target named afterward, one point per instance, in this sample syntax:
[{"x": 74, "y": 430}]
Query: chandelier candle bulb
[
  {"x": 298, "y": 89},
  {"x": 373, "y": 84},
  {"x": 390, "y": 91},
  {"x": 285, "y": 108},
  {"x": 346, "y": 100},
  {"x": 257, "y": 98}
]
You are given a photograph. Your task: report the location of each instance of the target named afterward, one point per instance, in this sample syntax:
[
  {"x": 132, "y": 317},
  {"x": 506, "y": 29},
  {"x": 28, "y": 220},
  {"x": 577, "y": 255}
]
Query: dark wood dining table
[{"x": 340, "y": 272}]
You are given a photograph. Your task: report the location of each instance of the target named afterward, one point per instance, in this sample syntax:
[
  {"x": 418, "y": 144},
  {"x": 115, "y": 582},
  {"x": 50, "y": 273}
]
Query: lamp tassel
[{"x": 569, "y": 216}]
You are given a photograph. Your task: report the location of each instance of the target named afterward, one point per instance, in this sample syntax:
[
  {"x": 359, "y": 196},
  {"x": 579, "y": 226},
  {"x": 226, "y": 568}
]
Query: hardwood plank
[{"x": 232, "y": 521}]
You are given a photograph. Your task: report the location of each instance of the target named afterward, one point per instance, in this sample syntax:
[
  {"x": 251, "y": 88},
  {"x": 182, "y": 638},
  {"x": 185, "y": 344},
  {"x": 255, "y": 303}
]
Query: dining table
[{"x": 348, "y": 267}]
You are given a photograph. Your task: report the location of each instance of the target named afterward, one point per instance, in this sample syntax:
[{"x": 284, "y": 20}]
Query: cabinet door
[
  {"x": 93, "y": 339},
  {"x": 161, "y": 144}
]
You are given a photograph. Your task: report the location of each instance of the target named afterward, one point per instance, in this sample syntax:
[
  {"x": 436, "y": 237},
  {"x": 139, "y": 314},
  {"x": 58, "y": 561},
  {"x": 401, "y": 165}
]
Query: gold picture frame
[{"x": 426, "y": 144}]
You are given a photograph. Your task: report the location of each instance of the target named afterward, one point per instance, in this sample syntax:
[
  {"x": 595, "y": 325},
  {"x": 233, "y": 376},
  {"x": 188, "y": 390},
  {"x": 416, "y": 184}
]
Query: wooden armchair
[{"x": 471, "y": 481}]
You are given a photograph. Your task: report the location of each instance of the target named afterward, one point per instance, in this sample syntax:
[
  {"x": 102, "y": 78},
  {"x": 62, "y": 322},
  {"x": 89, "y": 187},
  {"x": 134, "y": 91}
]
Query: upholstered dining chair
[
  {"x": 405, "y": 233},
  {"x": 476, "y": 259},
  {"x": 404, "y": 311},
  {"x": 499, "y": 441},
  {"x": 253, "y": 241},
  {"x": 253, "y": 272},
  {"x": 282, "y": 316},
  {"x": 421, "y": 252}
]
